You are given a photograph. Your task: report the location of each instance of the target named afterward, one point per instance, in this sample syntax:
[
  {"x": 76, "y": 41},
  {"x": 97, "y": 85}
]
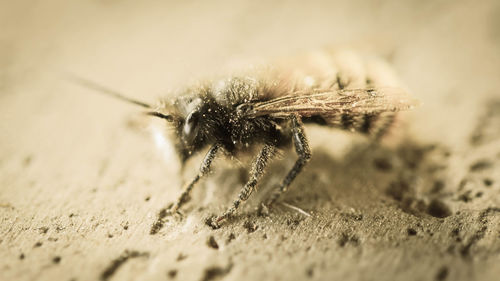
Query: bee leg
[
  {"x": 256, "y": 173},
  {"x": 204, "y": 170},
  {"x": 184, "y": 198},
  {"x": 304, "y": 153}
]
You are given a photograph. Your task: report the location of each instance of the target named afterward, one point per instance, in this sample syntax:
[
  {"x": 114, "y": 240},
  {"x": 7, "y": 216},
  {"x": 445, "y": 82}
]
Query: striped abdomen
[{"x": 375, "y": 125}]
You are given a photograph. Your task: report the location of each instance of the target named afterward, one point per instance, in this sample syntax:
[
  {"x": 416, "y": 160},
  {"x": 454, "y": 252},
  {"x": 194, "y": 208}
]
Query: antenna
[
  {"x": 112, "y": 93},
  {"x": 103, "y": 90}
]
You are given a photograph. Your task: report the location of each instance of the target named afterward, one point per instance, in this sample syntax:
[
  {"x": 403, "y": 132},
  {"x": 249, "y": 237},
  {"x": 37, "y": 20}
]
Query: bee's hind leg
[
  {"x": 304, "y": 153},
  {"x": 258, "y": 168}
]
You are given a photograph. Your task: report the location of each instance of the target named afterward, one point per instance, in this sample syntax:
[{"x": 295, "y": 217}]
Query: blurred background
[{"x": 61, "y": 144}]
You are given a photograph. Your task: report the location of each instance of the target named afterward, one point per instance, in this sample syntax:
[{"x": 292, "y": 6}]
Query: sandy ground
[{"x": 80, "y": 187}]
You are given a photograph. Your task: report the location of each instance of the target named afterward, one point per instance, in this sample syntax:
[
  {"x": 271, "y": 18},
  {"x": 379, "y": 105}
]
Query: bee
[{"x": 265, "y": 110}]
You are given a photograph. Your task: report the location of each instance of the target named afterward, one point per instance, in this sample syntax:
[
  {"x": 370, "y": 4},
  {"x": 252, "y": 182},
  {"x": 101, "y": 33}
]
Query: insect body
[{"x": 267, "y": 110}]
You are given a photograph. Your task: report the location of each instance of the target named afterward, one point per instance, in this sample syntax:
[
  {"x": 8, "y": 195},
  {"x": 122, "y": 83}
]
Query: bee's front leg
[
  {"x": 204, "y": 170},
  {"x": 184, "y": 198},
  {"x": 258, "y": 168}
]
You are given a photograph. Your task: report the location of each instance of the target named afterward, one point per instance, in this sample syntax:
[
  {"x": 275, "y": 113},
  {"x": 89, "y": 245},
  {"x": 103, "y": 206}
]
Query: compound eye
[{"x": 190, "y": 128}]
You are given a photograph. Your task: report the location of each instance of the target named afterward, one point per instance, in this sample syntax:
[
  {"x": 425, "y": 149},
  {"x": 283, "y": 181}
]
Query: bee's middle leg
[{"x": 256, "y": 173}]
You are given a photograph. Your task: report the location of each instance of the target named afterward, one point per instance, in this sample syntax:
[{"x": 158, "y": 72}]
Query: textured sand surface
[{"x": 80, "y": 187}]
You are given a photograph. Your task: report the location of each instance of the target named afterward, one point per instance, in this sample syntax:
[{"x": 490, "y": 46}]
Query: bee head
[
  {"x": 186, "y": 131},
  {"x": 189, "y": 122}
]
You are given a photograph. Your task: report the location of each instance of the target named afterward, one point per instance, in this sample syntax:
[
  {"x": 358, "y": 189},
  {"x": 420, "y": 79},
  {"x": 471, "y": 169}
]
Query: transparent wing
[{"x": 333, "y": 102}]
